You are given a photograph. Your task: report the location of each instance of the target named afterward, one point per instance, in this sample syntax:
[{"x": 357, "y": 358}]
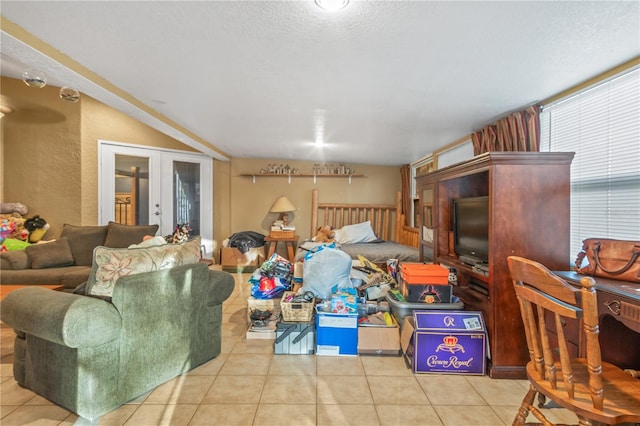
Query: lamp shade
[{"x": 282, "y": 205}]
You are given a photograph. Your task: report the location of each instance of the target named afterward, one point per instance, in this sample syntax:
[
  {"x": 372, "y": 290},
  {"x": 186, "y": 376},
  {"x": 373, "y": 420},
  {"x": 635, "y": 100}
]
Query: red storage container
[
  {"x": 421, "y": 273},
  {"x": 425, "y": 283}
]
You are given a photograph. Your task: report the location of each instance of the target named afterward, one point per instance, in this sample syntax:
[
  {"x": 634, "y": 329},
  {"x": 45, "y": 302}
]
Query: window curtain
[
  {"x": 519, "y": 131},
  {"x": 405, "y": 179}
]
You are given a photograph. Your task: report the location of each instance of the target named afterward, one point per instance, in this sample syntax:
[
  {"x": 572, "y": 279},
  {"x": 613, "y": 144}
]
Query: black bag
[{"x": 245, "y": 240}]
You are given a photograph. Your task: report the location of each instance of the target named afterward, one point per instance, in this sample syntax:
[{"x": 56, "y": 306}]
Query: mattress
[{"x": 377, "y": 252}]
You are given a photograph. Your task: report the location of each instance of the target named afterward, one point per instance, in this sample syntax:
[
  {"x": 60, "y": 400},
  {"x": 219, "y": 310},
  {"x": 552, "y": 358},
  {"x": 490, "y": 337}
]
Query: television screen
[{"x": 471, "y": 227}]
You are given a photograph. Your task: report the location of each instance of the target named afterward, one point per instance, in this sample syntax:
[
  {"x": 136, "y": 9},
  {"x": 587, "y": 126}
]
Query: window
[
  {"x": 419, "y": 168},
  {"x": 457, "y": 154},
  {"x": 601, "y": 124}
]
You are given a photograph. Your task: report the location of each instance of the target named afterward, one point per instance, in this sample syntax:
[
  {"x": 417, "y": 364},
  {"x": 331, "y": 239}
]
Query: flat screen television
[{"x": 471, "y": 228}]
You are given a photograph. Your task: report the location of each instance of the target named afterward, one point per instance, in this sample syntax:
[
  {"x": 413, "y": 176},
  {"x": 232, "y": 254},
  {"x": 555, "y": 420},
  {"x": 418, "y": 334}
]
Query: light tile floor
[{"x": 249, "y": 385}]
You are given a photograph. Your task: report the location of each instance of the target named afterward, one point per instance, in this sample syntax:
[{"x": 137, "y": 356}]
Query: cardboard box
[
  {"x": 272, "y": 305},
  {"x": 336, "y": 334},
  {"x": 266, "y": 331},
  {"x": 379, "y": 339},
  {"x": 445, "y": 342},
  {"x": 233, "y": 261},
  {"x": 344, "y": 300},
  {"x": 295, "y": 338}
]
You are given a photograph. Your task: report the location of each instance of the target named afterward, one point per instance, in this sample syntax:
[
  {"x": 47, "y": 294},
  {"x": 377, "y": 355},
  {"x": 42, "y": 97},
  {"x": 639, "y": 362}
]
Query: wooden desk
[
  {"x": 619, "y": 318},
  {"x": 288, "y": 242},
  {"x": 7, "y": 288}
]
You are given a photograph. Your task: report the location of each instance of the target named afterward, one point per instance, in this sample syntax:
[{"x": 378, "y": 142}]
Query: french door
[{"x": 145, "y": 186}]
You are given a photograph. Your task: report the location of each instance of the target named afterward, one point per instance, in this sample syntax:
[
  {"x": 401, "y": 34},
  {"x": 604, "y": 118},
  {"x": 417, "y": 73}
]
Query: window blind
[{"x": 601, "y": 124}]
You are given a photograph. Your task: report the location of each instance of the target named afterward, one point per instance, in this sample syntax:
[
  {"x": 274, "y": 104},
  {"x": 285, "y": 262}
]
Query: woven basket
[
  {"x": 282, "y": 234},
  {"x": 296, "y": 311}
]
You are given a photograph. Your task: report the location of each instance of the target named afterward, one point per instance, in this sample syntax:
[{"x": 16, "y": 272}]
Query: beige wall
[
  {"x": 250, "y": 202},
  {"x": 49, "y": 151},
  {"x": 50, "y": 163},
  {"x": 41, "y": 152}
]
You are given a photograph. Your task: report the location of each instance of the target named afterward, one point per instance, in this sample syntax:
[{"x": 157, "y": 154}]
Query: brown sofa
[{"x": 67, "y": 261}]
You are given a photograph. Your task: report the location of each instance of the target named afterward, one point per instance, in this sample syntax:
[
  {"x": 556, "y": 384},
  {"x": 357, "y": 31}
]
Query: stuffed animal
[
  {"x": 325, "y": 235},
  {"x": 181, "y": 233},
  {"x": 37, "y": 227},
  {"x": 19, "y": 231},
  {"x": 6, "y": 229},
  {"x": 14, "y": 208}
]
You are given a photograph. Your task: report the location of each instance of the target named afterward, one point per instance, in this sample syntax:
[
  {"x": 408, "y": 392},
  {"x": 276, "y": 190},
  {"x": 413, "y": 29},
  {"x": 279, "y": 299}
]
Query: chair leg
[
  {"x": 538, "y": 415},
  {"x": 523, "y": 411}
]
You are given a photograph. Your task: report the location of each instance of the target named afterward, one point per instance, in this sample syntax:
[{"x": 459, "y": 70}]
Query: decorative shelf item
[
  {"x": 304, "y": 175},
  {"x": 318, "y": 170}
]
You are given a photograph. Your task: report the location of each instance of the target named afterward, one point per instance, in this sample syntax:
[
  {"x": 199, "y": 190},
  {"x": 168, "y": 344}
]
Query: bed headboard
[{"x": 386, "y": 221}]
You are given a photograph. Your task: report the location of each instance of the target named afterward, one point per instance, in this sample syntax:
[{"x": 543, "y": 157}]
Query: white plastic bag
[{"x": 324, "y": 269}]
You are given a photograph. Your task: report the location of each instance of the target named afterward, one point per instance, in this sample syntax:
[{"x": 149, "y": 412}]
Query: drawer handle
[{"x": 613, "y": 306}]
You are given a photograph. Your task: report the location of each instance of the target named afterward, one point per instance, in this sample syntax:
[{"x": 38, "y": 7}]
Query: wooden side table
[
  {"x": 288, "y": 242},
  {"x": 7, "y": 288}
]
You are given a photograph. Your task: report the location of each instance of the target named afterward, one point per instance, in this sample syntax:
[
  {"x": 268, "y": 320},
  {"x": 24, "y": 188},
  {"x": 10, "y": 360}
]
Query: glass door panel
[
  {"x": 131, "y": 190},
  {"x": 186, "y": 194},
  {"x": 145, "y": 186}
]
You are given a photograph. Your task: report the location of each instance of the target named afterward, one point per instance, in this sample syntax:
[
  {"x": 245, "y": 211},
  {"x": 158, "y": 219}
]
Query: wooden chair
[{"x": 598, "y": 392}]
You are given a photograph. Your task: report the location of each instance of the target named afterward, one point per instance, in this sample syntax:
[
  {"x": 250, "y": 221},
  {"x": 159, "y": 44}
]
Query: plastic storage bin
[
  {"x": 428, "y": 283},
  {"x": 295, "y": 338},
  {"x": 421, "y": 273},
  {"x": 402, "y": 309}
]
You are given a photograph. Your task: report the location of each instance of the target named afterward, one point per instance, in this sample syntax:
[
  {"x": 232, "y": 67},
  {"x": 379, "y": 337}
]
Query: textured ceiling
[{"x": 380, "y": 82}]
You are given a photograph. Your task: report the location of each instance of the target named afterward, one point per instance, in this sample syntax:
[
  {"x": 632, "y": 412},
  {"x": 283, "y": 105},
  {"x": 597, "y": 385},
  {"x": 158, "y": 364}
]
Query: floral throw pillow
[{"x": 109, "y": 264}]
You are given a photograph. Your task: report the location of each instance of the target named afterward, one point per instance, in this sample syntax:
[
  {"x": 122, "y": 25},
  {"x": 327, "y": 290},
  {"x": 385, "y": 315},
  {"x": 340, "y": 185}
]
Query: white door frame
[{"x": 160, "y": 183}]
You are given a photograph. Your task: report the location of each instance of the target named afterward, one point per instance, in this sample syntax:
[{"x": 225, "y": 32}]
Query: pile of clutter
[
  {"x": 331, "y": 282},
  {"x": 272, "y": 279},
  {"x": 17, "y": 231},
  {"x": 349, "y": 307}
]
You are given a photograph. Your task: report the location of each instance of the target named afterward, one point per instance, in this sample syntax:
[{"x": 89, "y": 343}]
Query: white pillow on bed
[{"x": 358, "y": 233}]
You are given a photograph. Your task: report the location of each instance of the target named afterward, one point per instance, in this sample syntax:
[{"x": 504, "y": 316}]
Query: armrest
[
  {"x": 14, "y": 260},
  {"x": 223, "y": 285},
  {"x": 68, "y": 319}
]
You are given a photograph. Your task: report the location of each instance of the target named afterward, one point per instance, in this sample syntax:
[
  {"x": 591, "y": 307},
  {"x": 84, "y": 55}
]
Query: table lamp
[{"x": 283, "y": 206}]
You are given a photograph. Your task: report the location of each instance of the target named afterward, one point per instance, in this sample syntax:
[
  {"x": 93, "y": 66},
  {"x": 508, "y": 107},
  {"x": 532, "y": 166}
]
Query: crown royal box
[{"x": 445, "y": 342}]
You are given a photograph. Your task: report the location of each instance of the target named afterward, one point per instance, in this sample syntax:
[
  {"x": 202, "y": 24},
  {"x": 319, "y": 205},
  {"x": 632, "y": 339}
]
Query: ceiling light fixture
[
  {"x": 69, "y": 94},
  {"x": 319, "y": 124},
  {"x": 4, "y": 110},
  {"x": 34, "y": 78},
  {"x": 332, "y": 5}
]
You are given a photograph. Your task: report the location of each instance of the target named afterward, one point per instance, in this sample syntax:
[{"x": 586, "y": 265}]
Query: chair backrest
[{"x": 540, "y": 293}]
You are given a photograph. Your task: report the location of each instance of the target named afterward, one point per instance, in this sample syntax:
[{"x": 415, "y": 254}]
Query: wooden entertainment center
[{"x": 528, "y": 216}]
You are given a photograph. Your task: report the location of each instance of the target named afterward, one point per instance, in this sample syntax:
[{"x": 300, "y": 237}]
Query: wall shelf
[{"x": 302, "y": 175}]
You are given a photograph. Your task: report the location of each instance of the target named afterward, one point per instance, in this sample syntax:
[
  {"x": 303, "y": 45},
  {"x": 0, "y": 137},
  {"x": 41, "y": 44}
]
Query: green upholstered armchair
[{"x": 90, "y": 355}]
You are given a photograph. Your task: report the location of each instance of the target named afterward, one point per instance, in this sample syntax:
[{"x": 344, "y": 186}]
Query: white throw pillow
[{"x": 358, "y": 233}]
